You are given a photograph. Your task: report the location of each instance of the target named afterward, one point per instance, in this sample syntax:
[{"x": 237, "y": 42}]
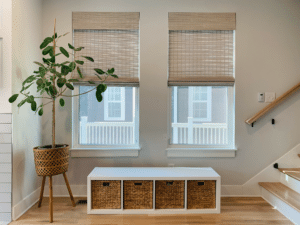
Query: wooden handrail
[{"x": 273, "y": 104}]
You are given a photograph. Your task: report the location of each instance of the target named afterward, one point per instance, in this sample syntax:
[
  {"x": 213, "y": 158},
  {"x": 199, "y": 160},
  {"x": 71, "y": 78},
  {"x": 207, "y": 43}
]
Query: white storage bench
[{"x": 150, "y": 190}]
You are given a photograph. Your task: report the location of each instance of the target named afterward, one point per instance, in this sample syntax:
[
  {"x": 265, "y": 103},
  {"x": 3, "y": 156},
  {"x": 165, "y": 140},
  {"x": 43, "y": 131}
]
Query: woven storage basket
[
  {"x": 138, "y": 194},
  {"x": 169, "y": 194},
  {"x": 106, "y": 194},
  {"x": 51, "y": 161},
  {"x": 201, "y": 194}
]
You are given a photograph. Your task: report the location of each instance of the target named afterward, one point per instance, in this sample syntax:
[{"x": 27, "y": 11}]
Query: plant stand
[{"x": 51, "y": 195}]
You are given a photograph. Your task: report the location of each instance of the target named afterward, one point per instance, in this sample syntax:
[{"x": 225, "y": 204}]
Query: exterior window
[
  {"x": 200, "y": 103},
  {"x": 202, "y": 116},
  {"x": 110, "y": 122},
  {"x": 114, "y": 103}
]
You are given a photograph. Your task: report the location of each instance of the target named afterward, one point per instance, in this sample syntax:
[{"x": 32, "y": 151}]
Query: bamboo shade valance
[
  {"x": 106, "y": 20},
  {"x": 109, "y": 47},
  {"x": 200, "y": 57},
  {"x": 201, "y": 21}
]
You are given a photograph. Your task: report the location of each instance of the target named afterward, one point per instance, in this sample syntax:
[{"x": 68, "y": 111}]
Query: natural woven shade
[
  {"x": 106, "y": 20},
  {"x": 110, "y": 48},
  {"x": 201, "y": 57},
  {"x": 201, "y": 21}
]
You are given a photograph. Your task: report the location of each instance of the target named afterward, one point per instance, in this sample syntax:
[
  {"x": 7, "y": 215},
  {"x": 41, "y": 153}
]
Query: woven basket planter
[
  {"x": 169, "y": 194},
  {"x": 201, "y": 194},
  {"x": 51, "y": 161},
  {"x": 138, "y": 194}
]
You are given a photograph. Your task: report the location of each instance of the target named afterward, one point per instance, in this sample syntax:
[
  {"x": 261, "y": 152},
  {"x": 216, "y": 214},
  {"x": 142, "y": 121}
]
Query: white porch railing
[
  {"x": 106, "y": 133},
  {"x": 200, "y": 134}
]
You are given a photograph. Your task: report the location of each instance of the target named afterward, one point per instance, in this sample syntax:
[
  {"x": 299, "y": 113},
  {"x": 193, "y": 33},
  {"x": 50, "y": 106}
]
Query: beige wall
[
  {"x": 267, "y": 59},
  {"x": 27, "y": 36}
]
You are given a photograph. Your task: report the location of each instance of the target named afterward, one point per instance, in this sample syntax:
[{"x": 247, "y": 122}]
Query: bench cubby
[{"x": 162, "y": 190}]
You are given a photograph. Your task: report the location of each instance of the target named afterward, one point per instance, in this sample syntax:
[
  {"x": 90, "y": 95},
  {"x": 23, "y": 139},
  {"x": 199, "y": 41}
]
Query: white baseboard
[{"x": 25, "y": 204}]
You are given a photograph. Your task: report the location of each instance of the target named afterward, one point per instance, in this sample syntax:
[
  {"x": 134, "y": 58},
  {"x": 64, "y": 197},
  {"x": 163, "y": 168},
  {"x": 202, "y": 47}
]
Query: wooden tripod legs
[{"x": 51, "y": 194}]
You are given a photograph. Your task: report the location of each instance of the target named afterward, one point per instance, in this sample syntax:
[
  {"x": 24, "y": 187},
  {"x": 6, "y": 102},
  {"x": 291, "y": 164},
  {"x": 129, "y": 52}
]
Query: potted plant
[{"x": 52, "y": 80}]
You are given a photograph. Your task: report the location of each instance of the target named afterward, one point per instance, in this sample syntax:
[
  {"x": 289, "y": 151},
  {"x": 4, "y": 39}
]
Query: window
[
  {"x": 112, "y": 40},
  {"x": 114, "y": 103},
  {"x": 201, "y": 79}
]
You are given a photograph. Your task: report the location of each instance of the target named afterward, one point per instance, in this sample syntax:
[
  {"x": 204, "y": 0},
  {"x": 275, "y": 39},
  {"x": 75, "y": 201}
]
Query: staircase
[{"x": 285, "y": 195}]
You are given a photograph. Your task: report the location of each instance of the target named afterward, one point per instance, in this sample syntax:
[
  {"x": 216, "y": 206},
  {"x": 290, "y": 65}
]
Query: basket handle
[
  {"x": 200, "y": 183},
  {"x": 169, "y": 183},
  {"x": 138, "y": 184},
  {"x": 105, "y": 184}
]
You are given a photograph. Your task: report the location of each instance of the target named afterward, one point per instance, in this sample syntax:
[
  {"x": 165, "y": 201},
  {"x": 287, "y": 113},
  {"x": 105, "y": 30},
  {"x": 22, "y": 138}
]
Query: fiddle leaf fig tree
[{"x": 53, "y": 79}]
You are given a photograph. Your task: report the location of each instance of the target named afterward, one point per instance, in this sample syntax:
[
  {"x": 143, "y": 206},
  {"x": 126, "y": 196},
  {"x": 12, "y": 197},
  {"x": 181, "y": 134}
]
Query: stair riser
[
  {"x": 290, "y": 182},
  {"x": 289, "y": 212}
]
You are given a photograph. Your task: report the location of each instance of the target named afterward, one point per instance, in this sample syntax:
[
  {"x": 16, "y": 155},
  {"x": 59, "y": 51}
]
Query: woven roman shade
[
  {"x": 201, "y": 49},
  {"x": 112, "y": 40}
]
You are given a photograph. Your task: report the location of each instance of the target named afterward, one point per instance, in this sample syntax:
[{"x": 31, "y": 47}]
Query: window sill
[
  {"x": 205, "y": 153},
  {"x": 108, "y": 152}
]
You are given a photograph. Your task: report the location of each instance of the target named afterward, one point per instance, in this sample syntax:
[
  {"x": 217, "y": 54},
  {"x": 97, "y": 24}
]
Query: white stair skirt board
[
  {"x": 270, "y": 174},
  {"x": 288, "y": 211}
]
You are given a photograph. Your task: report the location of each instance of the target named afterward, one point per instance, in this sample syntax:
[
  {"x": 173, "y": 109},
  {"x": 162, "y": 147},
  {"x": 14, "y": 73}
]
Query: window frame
[
  {"x": 121, "y": 101},
  {"x": 78, "y": 150}
]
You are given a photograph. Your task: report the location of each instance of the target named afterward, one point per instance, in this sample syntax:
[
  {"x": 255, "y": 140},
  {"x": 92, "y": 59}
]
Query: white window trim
[
  {"x": 122, "y": 102},
  {"x": 82, "y": 151},
  {"x": 192, "y": 101},
  {"x": 176, "y": 150}
]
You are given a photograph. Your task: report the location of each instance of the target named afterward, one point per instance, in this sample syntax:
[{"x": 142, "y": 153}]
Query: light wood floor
[{"x": 234, "y": 211}]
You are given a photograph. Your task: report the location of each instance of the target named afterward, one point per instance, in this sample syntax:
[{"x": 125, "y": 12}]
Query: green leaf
[
  {"x": 39, "y": 82},
  {"x": 65, "y": 70},
  {"x": 79, "y": 72},
  {"x": 47, "y": 50},
  {"x": 114, "y": 75},
  {"x": 79, "y": 62},
  {"x": 99, "y": 71},
  {"x": 71, "y": 46},
  {"x": 46, "y": 61},
  {"x": 99, "y": 96},
  {"x": 52, "y": 90},
  {"x": 88, "y": 58},
  {"x": 72, "y": 66},
  {"x": 73, "y": 80},
  {"x": 30, "y": 99},
  {"x": 55, "y": 36},
  {"x": 52, "y": 59},
  {"x": 64, "y": 51},
  {"x": 38, "y": 63},
  {"x": 33, "y": 106},
  {"x": 70, "y": 86},
  {"x": 91, "y": 82},
  {"x": 61, "y": 82},
  {"x": 41, "y": 111},
  {"x": 47, "y": 41},
  {"x": 21, "y": 103},
  {"x": 61, "y": 102},
  {"x": 65, "y": 62},
  {"x": 26, "y": 87},
  {"x": 29, "y": 79},
  {"x": 101, "y": 88},
  {"x": 13, "y": 98},
  {"x": 79, "y": 49},
  {"x": 111, "y": 71}
]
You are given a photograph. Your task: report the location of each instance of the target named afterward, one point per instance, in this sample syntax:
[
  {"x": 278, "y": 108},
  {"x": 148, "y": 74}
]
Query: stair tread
[
  {"x": 283, "y": 192},
  {"x": 285, "y": 170},
  {"x": 295, "y": 175}
]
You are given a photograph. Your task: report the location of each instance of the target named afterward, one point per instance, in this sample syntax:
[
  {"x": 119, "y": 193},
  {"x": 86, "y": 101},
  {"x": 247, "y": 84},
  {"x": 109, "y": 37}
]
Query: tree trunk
[{"x": 53, "y": 124}]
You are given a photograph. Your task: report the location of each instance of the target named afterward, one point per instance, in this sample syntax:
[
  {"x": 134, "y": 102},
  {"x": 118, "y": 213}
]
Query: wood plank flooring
[{"x": 234, "y": 211}]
